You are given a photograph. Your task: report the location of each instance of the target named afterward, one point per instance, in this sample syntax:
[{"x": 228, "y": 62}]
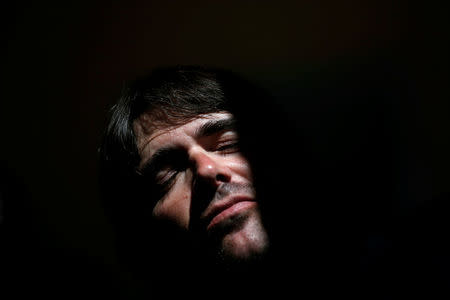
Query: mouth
[{"x": 227, "y": 210}]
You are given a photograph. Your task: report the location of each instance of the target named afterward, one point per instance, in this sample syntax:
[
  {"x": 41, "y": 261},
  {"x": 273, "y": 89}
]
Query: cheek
[
  {"x": 241, "y": 167},
  {"x": 175, "y": 206}
]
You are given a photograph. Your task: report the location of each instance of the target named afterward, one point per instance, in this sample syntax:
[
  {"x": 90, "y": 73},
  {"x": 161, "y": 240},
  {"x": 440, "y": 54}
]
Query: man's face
[{"x": 205, "y": 182}]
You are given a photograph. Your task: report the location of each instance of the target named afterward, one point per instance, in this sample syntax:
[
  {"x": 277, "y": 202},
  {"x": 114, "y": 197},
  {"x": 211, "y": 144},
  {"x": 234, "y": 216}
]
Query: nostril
[{"x": 221, "y": 177}]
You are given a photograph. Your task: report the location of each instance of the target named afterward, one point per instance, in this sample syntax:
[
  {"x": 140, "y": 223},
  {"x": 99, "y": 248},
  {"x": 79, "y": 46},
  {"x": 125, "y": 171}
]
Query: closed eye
[
  {"x": 163, "y": 168},
  {"x": 228, "y": 147},
  {"x": 165, "y": 176}
]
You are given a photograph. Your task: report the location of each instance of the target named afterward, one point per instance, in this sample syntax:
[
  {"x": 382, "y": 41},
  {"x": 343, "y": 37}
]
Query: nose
[{"x": 210, "y": 168}]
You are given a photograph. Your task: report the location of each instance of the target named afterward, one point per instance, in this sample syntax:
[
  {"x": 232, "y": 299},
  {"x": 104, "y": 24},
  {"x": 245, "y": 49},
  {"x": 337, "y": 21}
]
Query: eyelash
[
  {"x": 167, "y": 178},
  {"x": 227, "y": 147}
]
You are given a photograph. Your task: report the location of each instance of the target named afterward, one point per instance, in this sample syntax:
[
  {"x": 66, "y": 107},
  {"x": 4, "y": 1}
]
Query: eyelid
[
  {"x": 227, "y": 146},
  {"x": 165, "y": 175},
  {"x": 226, "y": 136},
  {"x": 164, "y": 160}
]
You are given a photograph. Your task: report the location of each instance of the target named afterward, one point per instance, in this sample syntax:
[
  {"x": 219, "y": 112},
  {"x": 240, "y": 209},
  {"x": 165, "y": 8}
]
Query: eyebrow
[{"x": 214, "y": 126}]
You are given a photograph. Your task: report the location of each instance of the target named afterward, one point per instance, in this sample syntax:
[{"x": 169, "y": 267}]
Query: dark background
[{"x": 341, "y": 69}]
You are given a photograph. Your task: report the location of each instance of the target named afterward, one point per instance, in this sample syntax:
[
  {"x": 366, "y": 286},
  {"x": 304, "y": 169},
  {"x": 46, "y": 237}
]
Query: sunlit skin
[{"x": 207, "y": 182}]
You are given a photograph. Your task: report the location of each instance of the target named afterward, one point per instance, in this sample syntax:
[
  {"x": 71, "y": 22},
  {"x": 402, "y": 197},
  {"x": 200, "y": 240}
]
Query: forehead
[{"x": 149, "y": 137}]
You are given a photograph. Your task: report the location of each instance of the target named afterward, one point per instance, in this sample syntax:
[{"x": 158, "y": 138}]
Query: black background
[{"x": 340, "y": 69}]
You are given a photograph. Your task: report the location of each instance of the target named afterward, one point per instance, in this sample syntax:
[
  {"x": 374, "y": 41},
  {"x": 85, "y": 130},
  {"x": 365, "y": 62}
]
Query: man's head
[{"x": 171, "y": 156}]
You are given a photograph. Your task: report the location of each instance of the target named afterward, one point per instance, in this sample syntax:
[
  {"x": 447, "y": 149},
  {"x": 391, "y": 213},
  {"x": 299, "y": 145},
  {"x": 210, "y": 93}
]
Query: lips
[{"x": 226, "y": 209}]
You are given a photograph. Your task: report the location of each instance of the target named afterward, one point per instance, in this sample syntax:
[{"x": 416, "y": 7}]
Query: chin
[{"x": 247, "y": 243}]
